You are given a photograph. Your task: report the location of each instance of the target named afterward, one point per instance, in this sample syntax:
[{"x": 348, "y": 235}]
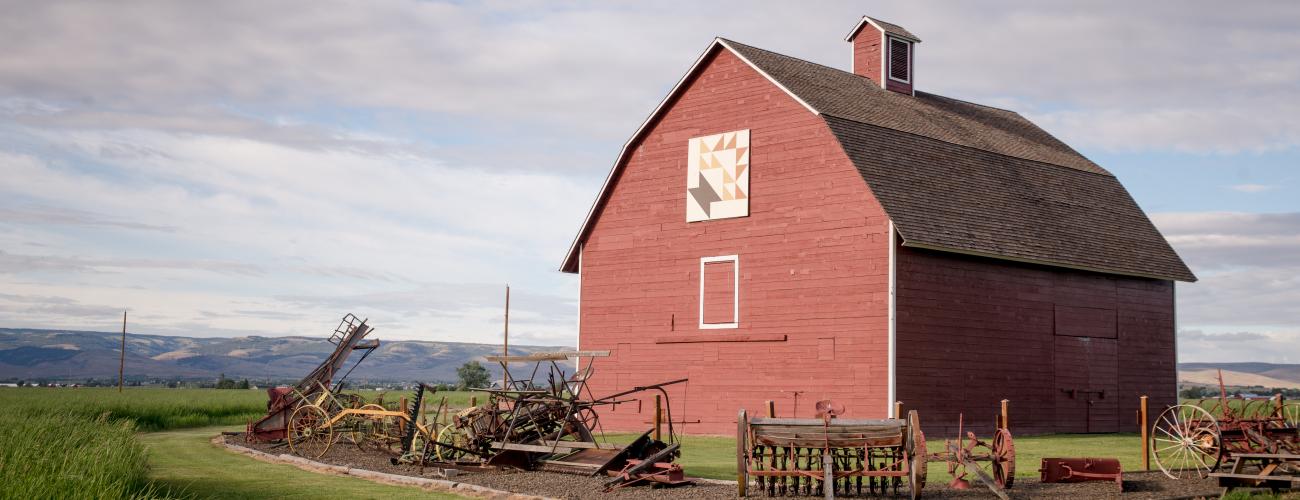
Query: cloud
[
  {"x": 51, "y": 215},
  {"x": 1244, "y": 306},
  {"x": 1252, "y": 188},
  {"x": 1277, "y": 346},
  {"x": 1198, "y": 335}
]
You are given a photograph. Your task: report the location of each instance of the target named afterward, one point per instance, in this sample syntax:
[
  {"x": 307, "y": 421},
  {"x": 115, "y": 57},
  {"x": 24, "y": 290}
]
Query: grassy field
[{"x": 83, "y": 443}]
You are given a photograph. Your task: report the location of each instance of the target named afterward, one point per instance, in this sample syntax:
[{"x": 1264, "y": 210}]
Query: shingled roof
[{"x": 961, "y": 177}]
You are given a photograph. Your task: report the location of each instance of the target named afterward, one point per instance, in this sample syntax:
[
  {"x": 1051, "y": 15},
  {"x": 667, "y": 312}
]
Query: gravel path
[{"x": 1137, "y": 485}]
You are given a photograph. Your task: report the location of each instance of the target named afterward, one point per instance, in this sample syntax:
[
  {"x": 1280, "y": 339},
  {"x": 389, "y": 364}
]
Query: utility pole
[
  {"x": 121, "y": 365},
  {"x": 505, "y": 346}
]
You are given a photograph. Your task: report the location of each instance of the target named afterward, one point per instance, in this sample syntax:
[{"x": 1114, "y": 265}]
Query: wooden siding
[
  {"x": 972, "y": 331},
  {"x": 813, "y": 268}
]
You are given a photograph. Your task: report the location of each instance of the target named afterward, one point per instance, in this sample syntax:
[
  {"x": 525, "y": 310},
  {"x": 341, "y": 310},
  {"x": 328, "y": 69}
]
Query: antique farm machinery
[
  {"x": 320, "y": 388},
  {"x": 551, "y": 423},
  {"x": 1196, "y": 438},
  {"x": 830, "y": 456},
  {"x": 968, "y": 453}
]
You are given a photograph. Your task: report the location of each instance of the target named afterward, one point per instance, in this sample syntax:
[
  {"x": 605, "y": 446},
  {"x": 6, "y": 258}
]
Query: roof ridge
[{"x": 941, "y": 96}]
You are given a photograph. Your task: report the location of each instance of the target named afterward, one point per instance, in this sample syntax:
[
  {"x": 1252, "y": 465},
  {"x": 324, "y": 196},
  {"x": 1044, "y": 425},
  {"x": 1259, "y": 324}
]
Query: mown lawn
[
  {"x": 715, "y": 457},
  {"x": 186, "y": 463}
]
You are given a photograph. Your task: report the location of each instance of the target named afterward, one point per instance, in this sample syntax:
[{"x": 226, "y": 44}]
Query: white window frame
[
  {"x": 889, "y": 60},
  {"x": 735, "y": 294}
]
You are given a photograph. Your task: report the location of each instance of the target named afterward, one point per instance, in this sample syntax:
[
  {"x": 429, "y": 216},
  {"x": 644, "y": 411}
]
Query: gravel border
[{"x": 441, "y": 485}]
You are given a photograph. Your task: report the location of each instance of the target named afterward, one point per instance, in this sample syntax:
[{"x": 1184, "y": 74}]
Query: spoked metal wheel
[
  {"x": 309, "y": 433},
  {"x": 1003, "y": 459},
  {"x": 917, "y": 469},
  {"x": 1290, "y": 416},
  {"x": 454, "y": 437},
  {"x": 1186, "y": 442}
]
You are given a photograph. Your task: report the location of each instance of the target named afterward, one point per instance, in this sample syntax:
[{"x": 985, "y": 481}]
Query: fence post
[
  {"x": 1004, "y": 415},
  {"x": 1146, "y": 441},
  {"x": 659, "y": 417},
  {"x": 771, "y": 409},
  {"x": 473, "y": 401},
  {"x": 1277, "y": 405},
  {"x": 401, "y": 423},
  {"x": 898, "y": 409}
]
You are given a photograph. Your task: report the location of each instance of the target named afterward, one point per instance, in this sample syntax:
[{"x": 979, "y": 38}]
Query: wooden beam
[{"x": 548, "y": 356}]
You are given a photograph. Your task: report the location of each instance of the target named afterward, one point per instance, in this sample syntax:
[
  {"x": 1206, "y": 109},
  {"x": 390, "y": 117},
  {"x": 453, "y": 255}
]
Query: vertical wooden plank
[
  {"x": 1005, "y": 415},
  {"x": 771, "y": 409},
  {"x": 1146, "y": 440},
  {"x": 659, "y": 417}
]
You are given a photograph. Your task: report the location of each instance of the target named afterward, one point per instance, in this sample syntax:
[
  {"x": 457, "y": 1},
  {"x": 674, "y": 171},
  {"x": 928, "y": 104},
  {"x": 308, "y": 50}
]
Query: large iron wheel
[
  {"x": 916, "y": 443},
  {"x": 310, "y": 434},
  {"x": 1186, "y": 442},
  {"x": 369, "y": 430},
  {"x": 1004, "y": 459}
]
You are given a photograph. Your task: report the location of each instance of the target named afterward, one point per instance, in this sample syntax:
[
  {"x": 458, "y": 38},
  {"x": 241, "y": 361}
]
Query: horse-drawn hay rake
[
  {"x": 1195, "y": 439},
  {"x": 830, "y": 456}
]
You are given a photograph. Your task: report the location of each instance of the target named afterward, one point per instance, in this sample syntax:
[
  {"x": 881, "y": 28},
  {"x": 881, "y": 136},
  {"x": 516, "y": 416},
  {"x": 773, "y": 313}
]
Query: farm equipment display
[
  {"x": 1195, "y": 439},
  {"x": 830, "y": 456},
  {"x": 992, "y": 463},
  {"x": 553, "y": 426},
  {"x": 319, "y": 388}
]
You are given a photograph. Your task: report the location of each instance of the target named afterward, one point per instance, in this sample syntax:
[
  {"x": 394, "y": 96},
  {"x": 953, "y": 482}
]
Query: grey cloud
[
  {"x": 1114, "y": 73},
  {"x": 64, "y": 216},
  {"x": 20, "y": 264},
  {"x": 1221, "y": 337},
  {"x": 1214, "y": 241}
]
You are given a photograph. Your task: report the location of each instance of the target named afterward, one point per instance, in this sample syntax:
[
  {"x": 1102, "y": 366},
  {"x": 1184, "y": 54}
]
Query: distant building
[{"x": 778, "y": 229}]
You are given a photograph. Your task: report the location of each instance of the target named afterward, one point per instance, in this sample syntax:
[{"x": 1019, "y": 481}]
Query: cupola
[{"x": 885, "y": 53}]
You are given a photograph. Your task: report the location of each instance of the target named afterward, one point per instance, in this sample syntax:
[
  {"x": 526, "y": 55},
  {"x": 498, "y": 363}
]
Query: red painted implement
[
  {"x": 1077, "y": 470},
  {"x": 1194, "y": 439},
  {"x": 830, "y": 456}
]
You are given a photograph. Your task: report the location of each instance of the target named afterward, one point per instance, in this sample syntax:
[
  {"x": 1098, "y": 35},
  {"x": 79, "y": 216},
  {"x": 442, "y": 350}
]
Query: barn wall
[
  {"x": 813, "y": 268},
  {"x": 972, "y": 331}
]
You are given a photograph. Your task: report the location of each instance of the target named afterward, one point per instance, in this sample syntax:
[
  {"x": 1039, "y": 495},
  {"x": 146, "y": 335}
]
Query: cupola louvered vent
[{"x": 899, "y": 69}]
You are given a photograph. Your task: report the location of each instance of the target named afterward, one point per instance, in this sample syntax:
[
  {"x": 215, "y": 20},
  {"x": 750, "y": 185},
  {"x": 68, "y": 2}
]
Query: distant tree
[
  {"x": 472, "y": 375},
  {"x": 225, "y": 383},
  {"x": 22, "y": 383},
  {"x": 243, "y": 384}
]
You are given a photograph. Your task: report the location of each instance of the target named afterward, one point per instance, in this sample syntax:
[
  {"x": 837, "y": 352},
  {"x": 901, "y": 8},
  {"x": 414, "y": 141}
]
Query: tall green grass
[
  {"x": 151, "y": 409},
  {"x": 59, "y": 455}
]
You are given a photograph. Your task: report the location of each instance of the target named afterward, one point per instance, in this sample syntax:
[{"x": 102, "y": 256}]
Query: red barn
[{"x": 778, "y": 229}]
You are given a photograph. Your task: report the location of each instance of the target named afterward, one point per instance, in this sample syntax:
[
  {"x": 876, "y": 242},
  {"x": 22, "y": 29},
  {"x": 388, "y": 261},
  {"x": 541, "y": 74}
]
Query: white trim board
[
  {"x": 892, "y": 391},
  {"x": 735, "y": 292}
]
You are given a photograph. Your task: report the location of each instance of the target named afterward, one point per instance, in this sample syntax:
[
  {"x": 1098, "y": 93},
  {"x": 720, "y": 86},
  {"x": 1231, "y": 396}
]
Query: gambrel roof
[{"x": 961, "y": 177}]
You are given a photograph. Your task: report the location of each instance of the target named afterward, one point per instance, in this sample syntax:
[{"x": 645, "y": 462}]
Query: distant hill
[
  {"x": 1241, "y": 374},
  {"x": 32, "y": 354}
]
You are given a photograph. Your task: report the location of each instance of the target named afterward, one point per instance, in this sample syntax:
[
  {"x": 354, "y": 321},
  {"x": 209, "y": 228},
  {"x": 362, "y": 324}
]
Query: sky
[{"x": 262, "y": 168}]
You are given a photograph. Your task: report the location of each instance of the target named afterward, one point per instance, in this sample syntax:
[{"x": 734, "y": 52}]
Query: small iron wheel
[
  {"x": 454, "y": 437},
  {"x": 1186, "y": 442},
  {"x": 1004, "y": 459}
]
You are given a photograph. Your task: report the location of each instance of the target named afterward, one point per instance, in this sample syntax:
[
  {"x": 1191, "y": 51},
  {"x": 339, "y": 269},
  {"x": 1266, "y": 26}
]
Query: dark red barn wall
[
  {"x": 813, "y": 268},
  {"x": 972, "y": 331}
]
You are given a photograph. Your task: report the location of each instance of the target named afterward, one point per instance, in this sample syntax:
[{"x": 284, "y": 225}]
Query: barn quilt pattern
[{"x": 717, "y": 176}]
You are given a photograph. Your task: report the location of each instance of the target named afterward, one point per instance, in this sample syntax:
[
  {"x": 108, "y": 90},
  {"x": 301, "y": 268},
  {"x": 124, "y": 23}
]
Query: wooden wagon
[{"x": 830, "y": 456}]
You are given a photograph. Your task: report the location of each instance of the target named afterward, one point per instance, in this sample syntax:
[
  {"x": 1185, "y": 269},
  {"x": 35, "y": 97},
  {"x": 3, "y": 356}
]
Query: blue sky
[{"x": 238, "y": 168}]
